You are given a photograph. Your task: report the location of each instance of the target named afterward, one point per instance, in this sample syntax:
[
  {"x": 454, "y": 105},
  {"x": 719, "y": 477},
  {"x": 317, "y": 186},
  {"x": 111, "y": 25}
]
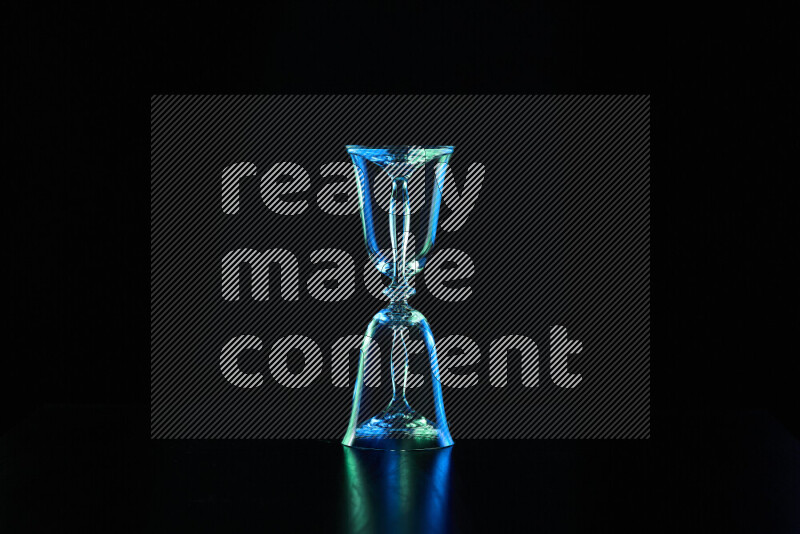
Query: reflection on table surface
[{"x": 396, "y": 491}]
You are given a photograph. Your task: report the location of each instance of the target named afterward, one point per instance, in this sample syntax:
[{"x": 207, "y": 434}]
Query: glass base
[
  {"x": 399, "y": 428},
  {"x": 393, "y": 444},
  {"x": 397, "y": 424}
]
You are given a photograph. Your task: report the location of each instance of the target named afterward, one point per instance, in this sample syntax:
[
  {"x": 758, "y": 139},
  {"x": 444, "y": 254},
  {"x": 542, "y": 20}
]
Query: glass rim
[{"x": 390, "y": 147}]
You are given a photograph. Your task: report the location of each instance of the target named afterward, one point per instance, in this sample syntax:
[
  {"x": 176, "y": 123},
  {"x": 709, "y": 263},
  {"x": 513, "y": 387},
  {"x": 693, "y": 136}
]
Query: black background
[{"x": 79, "y": 82}]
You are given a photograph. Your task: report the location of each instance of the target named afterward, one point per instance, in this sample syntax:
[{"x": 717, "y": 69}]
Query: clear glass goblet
[{"x": 397, "y": 404}]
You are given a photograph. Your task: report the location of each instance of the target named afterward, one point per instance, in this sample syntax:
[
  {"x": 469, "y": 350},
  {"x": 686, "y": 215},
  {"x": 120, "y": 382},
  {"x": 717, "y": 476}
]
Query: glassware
[{"x": 399, "y": 406}]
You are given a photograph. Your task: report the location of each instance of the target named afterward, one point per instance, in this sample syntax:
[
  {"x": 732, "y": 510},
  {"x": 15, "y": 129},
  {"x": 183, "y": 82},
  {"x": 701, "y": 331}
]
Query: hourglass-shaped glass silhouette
[{"x": 397, "y": 402}]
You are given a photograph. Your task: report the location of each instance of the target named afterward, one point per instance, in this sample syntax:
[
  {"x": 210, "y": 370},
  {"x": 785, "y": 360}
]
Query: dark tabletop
[{"x": 716, "y": 471}]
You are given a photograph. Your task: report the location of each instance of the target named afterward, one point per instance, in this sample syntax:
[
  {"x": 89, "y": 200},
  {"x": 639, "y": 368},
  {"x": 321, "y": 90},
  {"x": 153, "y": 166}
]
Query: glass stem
[
  {"x": 399, "y": 369},
  {"x": 399, "y": 228}
]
